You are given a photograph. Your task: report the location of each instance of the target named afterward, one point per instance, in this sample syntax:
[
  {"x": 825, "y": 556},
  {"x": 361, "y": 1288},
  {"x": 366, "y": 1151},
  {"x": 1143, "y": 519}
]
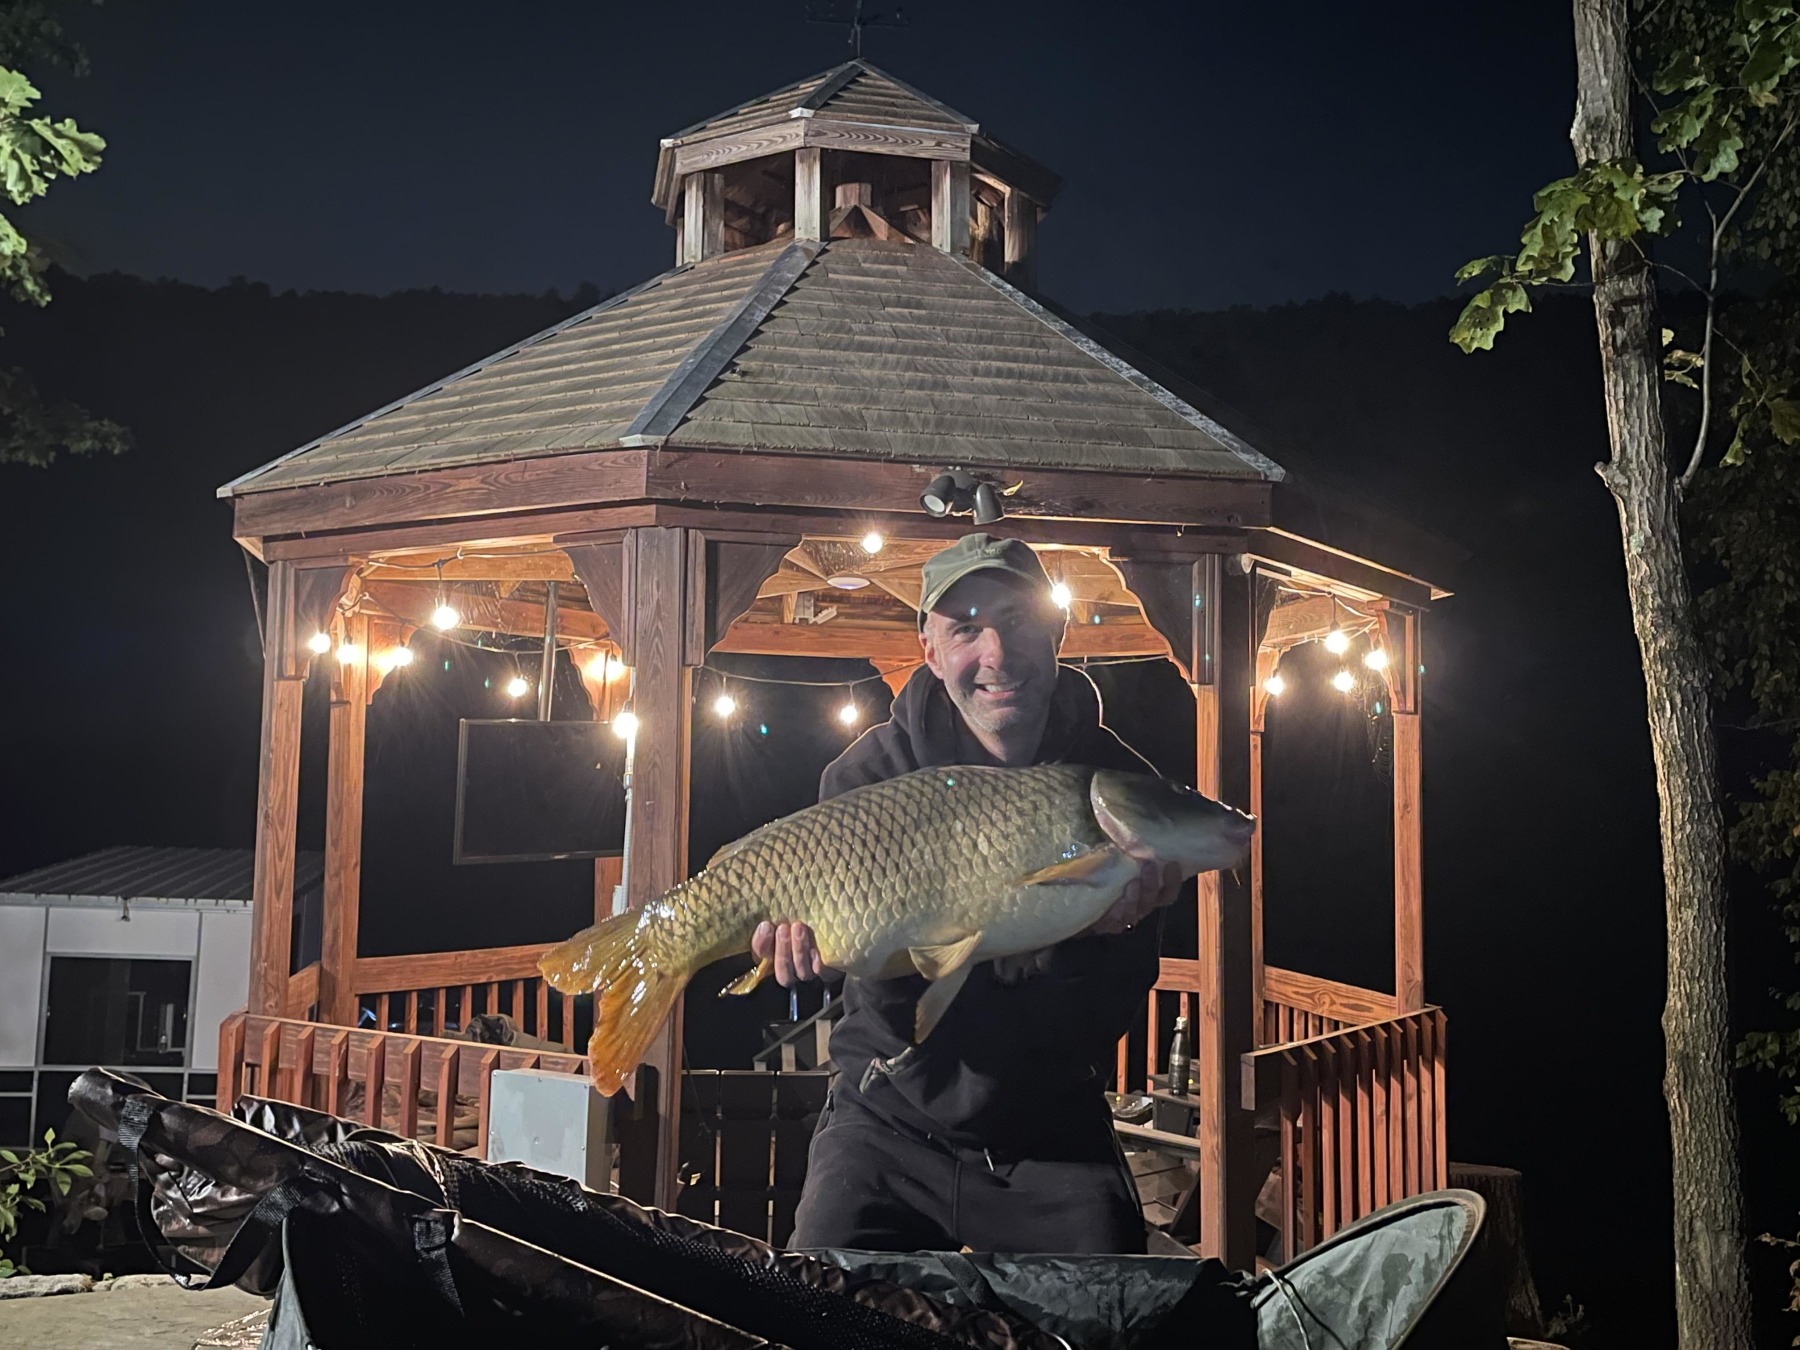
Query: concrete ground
[{"x": 154, "y": 1317}]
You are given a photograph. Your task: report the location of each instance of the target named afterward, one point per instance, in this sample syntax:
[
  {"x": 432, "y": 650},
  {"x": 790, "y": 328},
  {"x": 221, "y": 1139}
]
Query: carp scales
[{"x": 930, "y": 873}]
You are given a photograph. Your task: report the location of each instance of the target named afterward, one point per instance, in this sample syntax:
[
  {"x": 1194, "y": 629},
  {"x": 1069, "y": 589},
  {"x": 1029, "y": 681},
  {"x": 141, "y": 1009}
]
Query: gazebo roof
[
  {"x": 852, "y": 348},
  {"x": 853, "y": 91}
]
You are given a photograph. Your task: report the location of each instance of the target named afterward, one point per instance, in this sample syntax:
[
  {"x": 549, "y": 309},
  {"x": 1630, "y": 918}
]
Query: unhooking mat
[{"x": 366, "y": 1238}]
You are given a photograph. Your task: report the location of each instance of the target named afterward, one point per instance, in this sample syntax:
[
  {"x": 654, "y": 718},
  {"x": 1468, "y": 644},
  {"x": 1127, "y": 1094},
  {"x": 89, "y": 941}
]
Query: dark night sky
[{"x": 1213, "y": 154}]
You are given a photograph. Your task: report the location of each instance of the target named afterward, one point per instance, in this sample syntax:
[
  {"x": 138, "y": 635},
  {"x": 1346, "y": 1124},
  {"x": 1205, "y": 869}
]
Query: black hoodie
[{"x": 1010, "y": 1064}]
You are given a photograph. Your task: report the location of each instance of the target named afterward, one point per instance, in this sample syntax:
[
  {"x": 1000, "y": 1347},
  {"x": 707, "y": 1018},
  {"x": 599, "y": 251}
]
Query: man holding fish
[
  {"x": 979, "y": 868},
  {"x": 994, "y": 1134}
]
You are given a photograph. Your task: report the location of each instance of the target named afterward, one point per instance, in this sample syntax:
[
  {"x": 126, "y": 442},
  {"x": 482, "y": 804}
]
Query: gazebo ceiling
[{"x": 850, "y": 348}]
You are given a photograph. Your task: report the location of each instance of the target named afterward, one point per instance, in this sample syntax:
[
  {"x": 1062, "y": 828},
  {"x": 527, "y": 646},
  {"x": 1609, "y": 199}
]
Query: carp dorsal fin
[
  {"x": 945, "y": 959},
  {"x": 752, "y": 977},
  {"x": 1093, "y": 868}
]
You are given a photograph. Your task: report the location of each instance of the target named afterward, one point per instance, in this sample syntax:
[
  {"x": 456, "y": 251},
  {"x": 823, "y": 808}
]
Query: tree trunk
[{"x": 1712, "y": 1301}]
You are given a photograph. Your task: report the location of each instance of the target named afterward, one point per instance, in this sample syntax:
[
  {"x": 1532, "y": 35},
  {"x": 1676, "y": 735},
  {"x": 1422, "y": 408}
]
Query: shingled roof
[
  {"x": 853, "y": 92},
  {"x": 856, "y": 347}
]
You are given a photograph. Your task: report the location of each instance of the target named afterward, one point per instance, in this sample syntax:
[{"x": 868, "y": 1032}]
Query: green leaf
[
  {"x": 79, "y": 1170},
  {"x": 1494, "y": 262},
  {"x": 1485, "y": 315},
  {"x": 1784, "y": 420},
  {"x": 15, "y": 90},
  {"x": 1734, "y": 453},
  {"x": 7, "y": 1154}
]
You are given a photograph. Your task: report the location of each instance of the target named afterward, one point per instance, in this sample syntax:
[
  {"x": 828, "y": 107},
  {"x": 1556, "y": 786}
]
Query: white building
[{"x": 127, "y": 958}]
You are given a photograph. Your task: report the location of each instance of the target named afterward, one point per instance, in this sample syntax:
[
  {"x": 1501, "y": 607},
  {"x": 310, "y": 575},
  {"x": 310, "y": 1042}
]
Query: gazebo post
[
  {"x": 1400, "y": 638},
  {"x": 350, "y": 694},
  {"x": 277, "y": 798}
]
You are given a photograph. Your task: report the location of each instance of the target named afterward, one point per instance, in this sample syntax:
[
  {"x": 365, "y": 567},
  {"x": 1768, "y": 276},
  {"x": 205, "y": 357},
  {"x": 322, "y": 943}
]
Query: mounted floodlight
[
  {"x": 940, "y": 498},
  {"x": 987, "y": 504}
]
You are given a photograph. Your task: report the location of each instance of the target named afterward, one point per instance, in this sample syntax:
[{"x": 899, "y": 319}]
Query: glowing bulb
[
  {"x": 349, "y": 652},
  {"x": 1343, "y": 682},
  {"x": 319, "y": 643},
  {"x": 724, "y": 705},
  {"x": 1337, "y": 642},
  {"x": 618, "y": 671},
  {"x": 1274, "y": 685},
  {"x": 517, "y": 687},
  {"x": 445, "y": 617},
  {"x": 872, "y": 542},
  {"x": 1376, "y": 659},
  {"x": 625, "y": 725},
  {"x": 849, "y": 714},
  {"x": 1061, "y": 596}
]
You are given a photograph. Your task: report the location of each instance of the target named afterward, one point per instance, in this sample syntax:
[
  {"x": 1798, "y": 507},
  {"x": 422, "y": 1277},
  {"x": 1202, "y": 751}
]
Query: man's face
[{"x": 993, "y": 640}]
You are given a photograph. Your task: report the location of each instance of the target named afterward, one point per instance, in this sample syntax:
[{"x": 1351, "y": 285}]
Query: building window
[{"x": 116, "y": 1011}]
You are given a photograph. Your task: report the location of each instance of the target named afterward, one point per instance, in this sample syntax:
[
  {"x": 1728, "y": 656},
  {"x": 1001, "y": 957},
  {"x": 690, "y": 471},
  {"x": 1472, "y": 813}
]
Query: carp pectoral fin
[
  {"x": 937, "y": 998},
  {"x": 940, "y": 962},
  {"x": 752, "y": 977},
  {"x": 1086, "y": 869}
]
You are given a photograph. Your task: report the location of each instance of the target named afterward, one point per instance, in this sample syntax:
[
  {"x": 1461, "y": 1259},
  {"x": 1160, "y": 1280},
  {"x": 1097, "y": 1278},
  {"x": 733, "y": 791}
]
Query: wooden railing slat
[{"x": 409, "y": 1090}]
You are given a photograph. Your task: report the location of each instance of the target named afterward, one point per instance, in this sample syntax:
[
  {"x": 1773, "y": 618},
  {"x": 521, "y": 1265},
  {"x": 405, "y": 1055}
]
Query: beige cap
[{"x": 977, "y": 553}]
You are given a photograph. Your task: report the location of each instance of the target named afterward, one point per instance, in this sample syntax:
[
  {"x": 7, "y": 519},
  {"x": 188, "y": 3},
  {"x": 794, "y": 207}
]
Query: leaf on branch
[
  {"x": 1494, "y": 262},
  {"x": 1485, "y": 315},
  {"x": 1784, "y": 420}
]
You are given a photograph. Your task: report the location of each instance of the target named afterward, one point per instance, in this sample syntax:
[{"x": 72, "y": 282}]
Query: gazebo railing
[{"x": 1361, "y": 1120}]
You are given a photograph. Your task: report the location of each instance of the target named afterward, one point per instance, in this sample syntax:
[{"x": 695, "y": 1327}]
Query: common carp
[{"x": 930, "y": 872}]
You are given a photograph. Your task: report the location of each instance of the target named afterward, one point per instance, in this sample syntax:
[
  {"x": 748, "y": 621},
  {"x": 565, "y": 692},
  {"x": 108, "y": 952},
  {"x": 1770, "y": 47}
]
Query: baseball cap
[{"x": 977, "y": 553}]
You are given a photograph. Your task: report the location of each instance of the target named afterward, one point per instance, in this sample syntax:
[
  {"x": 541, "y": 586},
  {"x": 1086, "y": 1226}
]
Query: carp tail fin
[{"x": 633, "y": 993}]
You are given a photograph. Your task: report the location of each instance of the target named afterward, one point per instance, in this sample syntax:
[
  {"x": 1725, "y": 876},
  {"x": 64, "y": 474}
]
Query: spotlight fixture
[
  {"x": 987, "y": 505},
  {"x": 947, "y": 493}
]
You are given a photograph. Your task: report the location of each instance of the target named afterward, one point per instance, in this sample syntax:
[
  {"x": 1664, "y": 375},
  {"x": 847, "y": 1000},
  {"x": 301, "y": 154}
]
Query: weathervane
[{"x": 851, "y": 12}]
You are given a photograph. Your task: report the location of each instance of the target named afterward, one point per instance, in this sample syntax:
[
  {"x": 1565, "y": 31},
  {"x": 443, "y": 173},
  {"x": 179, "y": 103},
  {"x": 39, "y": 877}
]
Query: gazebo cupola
[{"x": 851, "y": 153}]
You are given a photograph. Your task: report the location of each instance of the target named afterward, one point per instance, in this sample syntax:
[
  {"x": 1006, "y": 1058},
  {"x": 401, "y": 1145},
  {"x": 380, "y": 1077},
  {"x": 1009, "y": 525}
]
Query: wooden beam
[
  {"x": 703, "y": 216},
  {"x": 545, "y": 564},
  {"x": 1294, "y": 549},
  {"x": 809, "y": 193},
  {"x": 277, "y": 801},
  {"x": 413, "y": 602},
  {"x": 908, "y": 142},
  {"x": 950, "y": 206},
  {"x": 436, "y": 970},
  {"x": 343, "y": 828},
  {"x": 1329, "y": 998},
  {"x": 754, "y": 635},
  {"x": 1020, "y": 232}
]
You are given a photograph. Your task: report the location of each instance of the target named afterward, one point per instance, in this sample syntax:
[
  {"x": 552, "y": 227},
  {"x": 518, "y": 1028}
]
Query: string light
[
  {"x": 872, "y": 542},
  {"x": 517, "y": 687},
  {"x": 400, "y": 656},
  {"x": 724, "y": 705},
  {"x": 625, "y": 725},
  {"x": 319, "y": 643},
  {"x": 1274, "y": 685},
  {"x": 1061, "y": 596},
  {"x": 1376, "y": 659},
  {"x": 1343, "y": 682},
  {"x": 849, "y": 714},
  {"x": 349, "y": 652},
  {"x": 1337, "y": 642},
  {"x": 445, "y": 617}
]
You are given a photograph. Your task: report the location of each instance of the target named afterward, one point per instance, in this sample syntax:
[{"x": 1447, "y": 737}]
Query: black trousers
[{"x": 876, "y": 1186}]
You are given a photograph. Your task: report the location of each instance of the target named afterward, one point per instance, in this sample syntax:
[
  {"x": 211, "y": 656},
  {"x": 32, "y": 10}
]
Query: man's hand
[
  {"x": 1157, "y": 884},
  {"x": 791, "y": 947}
]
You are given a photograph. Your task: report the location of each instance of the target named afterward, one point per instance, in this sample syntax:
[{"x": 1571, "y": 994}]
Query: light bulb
[
  {"x": 1343, "y": 682},
  {"x": 597, "y": 668},
  {"x": 1061, "y": 596},
  {"x": 872, "y": 542},
  {"x": 625, "y": 725},
  {"x": 1337, "y": 642},
  {"x": 1274, "y": 685},
  {"x": 445, "y": 617},
  {"x": 319, "y": 643},
  {"x": 517, "y": 687},
  {"x": 349, "y": 652},
  {"x": 724, "y": 705},
  {"x": 617, "y": 671},
  {"x": 1376, "y": 658},
  {"x": 400, "y": 656},
  {"x": 848, "y": 714}
]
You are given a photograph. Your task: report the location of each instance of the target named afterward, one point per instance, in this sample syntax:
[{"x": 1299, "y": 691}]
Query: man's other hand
[
  {"x": 792, "y": 949},
  {"x": 1157, "y": 884}
]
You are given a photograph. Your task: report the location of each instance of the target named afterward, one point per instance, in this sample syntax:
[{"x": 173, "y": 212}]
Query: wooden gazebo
[{"x": 689, "y": 467}]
